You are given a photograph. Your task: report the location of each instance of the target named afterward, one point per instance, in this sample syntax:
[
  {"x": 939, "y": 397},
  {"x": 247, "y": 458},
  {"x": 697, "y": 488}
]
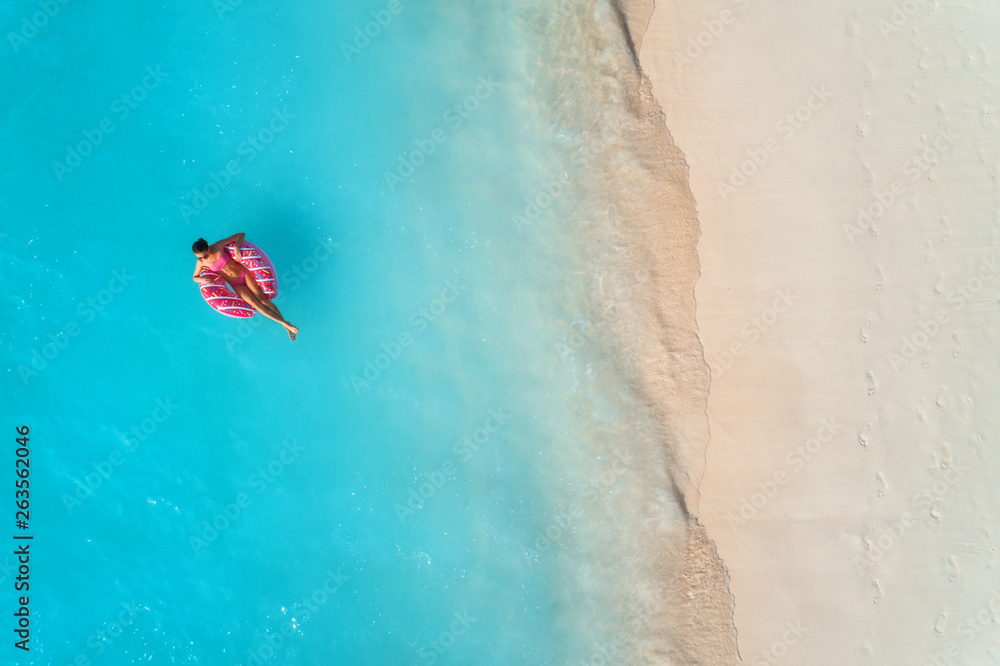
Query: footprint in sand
[
  {"x": 922, "y": 64},
  {"x": 872, "y": 384},
  {"x": 946, "y": 234},
  {"x": 953, "y": 571},
  {"x": 883, "y": 486},
  {"x": 913, "y": 97},
  {"x": 881, "y": 278},
  {"x": 958, "y": 341},
  {"x": 863, "y": 333},
  {"x": 942, "y": 115},
  {"x": 863, "y": 435},
  {"x": 868, "y": 169},
  {"x": 941, "y": 462},
  {"x": 942, "y": 397},
  {"x": 879, "y": 595},
  {"x": 939, "y": 284},
  {"x": 939, "y": 625}
]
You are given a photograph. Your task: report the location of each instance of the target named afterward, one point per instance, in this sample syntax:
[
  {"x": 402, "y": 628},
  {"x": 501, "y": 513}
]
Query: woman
[{"x": 216, "y": 258}]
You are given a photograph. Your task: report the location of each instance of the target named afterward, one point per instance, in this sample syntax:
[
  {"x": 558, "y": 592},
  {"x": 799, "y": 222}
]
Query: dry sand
[{"x": 844, "y": 160}]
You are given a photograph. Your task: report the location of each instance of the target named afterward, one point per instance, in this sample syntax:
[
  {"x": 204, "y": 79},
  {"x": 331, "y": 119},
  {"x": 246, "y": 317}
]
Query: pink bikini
[
  {"x": 224, "y": 259},
  {"x": 219, "y": 294}
]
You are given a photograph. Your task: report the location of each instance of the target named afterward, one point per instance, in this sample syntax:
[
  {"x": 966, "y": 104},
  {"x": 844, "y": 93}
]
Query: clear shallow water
[{"x": 429, "y": 474}]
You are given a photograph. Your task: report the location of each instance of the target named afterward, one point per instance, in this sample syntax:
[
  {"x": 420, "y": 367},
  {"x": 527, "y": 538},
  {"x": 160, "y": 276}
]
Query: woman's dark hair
[{"x": 200, "y": 245}]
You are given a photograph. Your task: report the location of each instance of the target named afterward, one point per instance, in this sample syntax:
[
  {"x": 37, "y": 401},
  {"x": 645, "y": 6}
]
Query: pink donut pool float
[{"x": 217, "y": 293}]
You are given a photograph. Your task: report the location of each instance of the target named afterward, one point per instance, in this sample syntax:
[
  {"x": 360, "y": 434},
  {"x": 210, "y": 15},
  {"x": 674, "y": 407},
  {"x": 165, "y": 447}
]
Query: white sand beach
[{"x": 844, "y": 160}]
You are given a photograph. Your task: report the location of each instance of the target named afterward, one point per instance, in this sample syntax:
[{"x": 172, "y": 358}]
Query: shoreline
[{"x": 651, "y": 229}]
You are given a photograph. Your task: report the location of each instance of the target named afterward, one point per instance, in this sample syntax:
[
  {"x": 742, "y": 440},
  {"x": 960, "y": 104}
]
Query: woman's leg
[
  {"x": 261, "y": 296},
  {"x": 247, "y": 295}
]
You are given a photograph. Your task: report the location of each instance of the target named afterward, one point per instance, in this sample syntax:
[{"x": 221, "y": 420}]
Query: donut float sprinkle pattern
[{"x": 221, "y": 298}]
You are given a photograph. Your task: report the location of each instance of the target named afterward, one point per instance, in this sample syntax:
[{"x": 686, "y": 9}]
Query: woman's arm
[
  {"x": 197, "y": 271},
  {"x": 236, "y": 239}
]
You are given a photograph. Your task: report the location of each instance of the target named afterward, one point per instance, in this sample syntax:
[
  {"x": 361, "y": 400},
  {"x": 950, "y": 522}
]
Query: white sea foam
[{"x": 642, "y": 382}]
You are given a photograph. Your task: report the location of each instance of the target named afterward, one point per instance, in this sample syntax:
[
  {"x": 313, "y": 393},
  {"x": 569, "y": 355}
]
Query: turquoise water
[{"x": 378, "y": 491}]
